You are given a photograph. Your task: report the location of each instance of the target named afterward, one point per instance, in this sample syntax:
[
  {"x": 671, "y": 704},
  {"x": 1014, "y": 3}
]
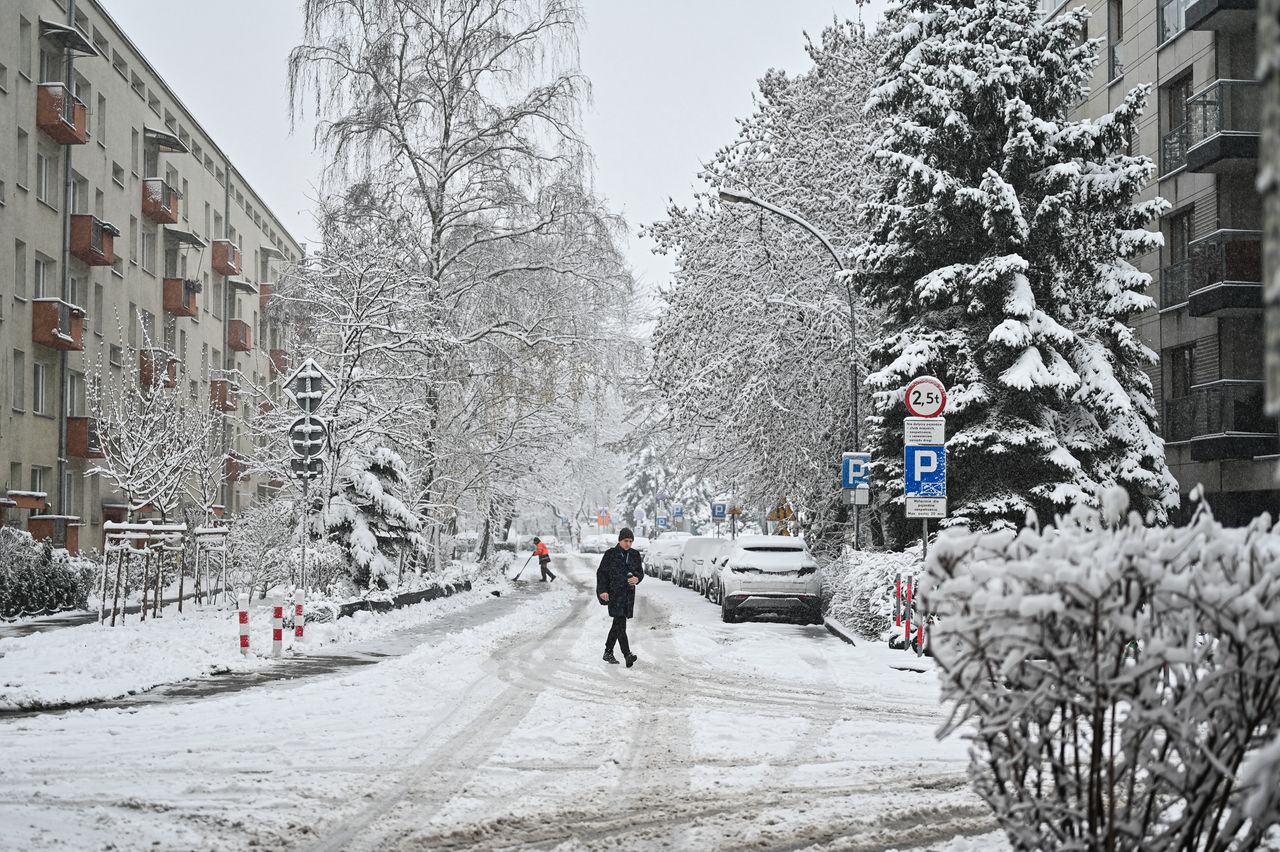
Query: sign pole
[
  {"x": 306, "y": 514},
  {"x": 924, "y": 540}
]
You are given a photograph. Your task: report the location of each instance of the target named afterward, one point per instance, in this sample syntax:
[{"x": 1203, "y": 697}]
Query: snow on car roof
[{"x": 778, "y": 541}]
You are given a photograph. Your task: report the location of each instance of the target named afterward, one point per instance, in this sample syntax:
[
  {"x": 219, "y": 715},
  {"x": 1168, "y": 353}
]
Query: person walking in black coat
[{"x": 619, "y": 573}]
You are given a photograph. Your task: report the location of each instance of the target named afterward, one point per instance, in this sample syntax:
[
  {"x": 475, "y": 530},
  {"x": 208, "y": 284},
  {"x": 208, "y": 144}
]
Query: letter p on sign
[{"x": 926, "y": 462}]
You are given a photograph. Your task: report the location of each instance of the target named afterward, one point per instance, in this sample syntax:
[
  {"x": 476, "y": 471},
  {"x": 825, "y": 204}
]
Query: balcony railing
[
  {"x": 1173, "y": 150},
  {"x": 66, "y": 126},
  {"x": 57, "y": 324},
  {"x": 226, "y": 257},
  {"x": 1233, "y": 257},
  {"x": 180, "y": 297},
  {"x": 1174, "y": 284},
  {"x": 1172, "y": 18},
  {"x": 92, "y": 240},
  {"x": 160, "y": 201},
  {"x": 1224, "y": 407},
  {"x": 1227, "y": 106}
]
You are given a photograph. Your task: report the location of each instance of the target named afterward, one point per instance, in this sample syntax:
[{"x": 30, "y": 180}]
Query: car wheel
[{"x": 727, "y": 615}]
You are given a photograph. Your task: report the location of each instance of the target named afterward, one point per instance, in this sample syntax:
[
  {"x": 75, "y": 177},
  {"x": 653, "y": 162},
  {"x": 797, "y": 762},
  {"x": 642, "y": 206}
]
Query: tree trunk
[
  {"x": 146, "y": 583},
  {"x": 115, "y": 600}
]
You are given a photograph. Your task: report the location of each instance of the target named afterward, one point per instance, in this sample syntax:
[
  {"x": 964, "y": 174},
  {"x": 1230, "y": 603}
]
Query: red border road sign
[{"x": 926, "y": 397}]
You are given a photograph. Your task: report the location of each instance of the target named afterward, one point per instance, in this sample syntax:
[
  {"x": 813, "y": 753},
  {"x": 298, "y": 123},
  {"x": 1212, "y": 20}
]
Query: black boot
[
  {"x": 631, "y": 659},
  {"x": 610, "y": 658}
]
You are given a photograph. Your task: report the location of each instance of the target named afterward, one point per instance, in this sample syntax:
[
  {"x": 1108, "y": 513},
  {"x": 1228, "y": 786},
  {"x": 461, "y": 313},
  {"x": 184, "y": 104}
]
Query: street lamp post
[{"x": 730, "y": 196}]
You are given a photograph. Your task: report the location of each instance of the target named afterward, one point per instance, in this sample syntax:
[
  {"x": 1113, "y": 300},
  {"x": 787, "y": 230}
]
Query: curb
[{"x": 838, "y": 630}]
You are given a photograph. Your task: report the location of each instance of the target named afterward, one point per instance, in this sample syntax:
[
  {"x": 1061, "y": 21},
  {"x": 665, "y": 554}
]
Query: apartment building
[
  {"x": 125, "y": 235},
  {"x": 1202, "y": 129}
]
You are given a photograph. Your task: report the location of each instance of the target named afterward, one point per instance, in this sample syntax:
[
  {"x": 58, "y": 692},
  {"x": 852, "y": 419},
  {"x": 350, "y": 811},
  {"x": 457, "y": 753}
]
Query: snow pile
[
  {"x": 97, "y": 663},
  {"x": 1116, "y": 677},
  {"x": 37, "y": 579},
  {"x": 857, "y": 588}
]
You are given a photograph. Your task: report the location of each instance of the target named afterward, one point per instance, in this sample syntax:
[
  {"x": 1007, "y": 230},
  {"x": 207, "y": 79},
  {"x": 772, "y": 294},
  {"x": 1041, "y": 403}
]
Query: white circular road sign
[{"x": 926, "y": 397}]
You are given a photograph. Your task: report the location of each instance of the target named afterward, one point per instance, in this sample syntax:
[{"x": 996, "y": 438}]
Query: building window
[
  {"x": 71, "y": 491},
  {"x": 1178, "y": 235},
  {"x": 43, "y": 280},
  {"x": 15, "y": 476},
  {"x": 40, "y": 479},
  {"x": 75, "y": 401},
  {"x": 79, "y": 193},
  {"x": 19, "y": 380},
  {"x": 102, "y": 119},
  {"x": 117, "y": 174},
  {"x": 1182, "y": 364},
  {"x": 149, "y": 250},
  {"x": 98, "y": 315},
  {"x": 115, "y": 355},
  {"x": 39, "y": 388},
  {"x": 25, "y": 47},
  {"x": 1172, "y": 18},
  {"x": 20, "y": 269},
  {"x": 23, "y": 177},
  {"x": 216, "y": 307},
  {"x": 1115, "y": 39},
  {"x": 133, "y": 326},
  {"x": 133, "y": 239},
  {"x": 134, "y": 151},
  {"x": 46, "y": 178}
]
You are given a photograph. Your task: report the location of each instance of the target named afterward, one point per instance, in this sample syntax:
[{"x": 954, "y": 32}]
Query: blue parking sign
[
  {"x": 677, "y": 512},
  {"x": 925, "y": 471},
  {"x": 719, "y": 511},
  {"x": 662, "y": 522},
  {"x": 855, "y": 470}
]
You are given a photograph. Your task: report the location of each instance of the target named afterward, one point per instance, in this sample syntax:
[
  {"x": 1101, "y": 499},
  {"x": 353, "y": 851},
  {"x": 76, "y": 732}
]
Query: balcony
[
  {"x": 180, "y": 297},
  {"x": 57, "y": 324},
  {"x": 239, "y": 336},
  {"x": 160, "y": 201},
  {"x": 60, "y": 530},
  {"x": 1222, "y": 15},
  {"x": 224, "y": 394},
  {"x": 83, "y": 440},
  {"x": 1225, "y": 274},
  {"x": 62, "y": 125},
  {"x": 279, "y": 362},
  {"x": 93, "y": 240},
  {"x": 156, "y": 367},
  {"x": 1173, "y": 150},
  {"x": 226, "y": 257},
  {"x": 33, "y": 500},
  {"x": 1222, "y": 127},
  {"x": 236, "y": 469},
  {"x": 265, "y": 292},
  {"x": 1222, "y": 420}
]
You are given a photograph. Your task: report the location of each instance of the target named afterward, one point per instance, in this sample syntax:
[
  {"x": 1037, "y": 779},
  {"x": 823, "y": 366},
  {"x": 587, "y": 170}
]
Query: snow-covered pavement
[{"x": 512, "y": 733}]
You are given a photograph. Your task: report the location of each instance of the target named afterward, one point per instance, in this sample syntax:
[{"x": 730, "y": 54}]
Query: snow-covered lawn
[{"x": 93, "y": 662}]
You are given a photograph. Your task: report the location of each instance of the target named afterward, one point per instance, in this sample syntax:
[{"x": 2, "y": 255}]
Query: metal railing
[
  {"x": 1173, "y": 149},
  {"x": 1234, "y": 256},
  {"x": 95, "y": 235},
  {"x": 1227, "y": 405},
  {"x": 1174, "y": 281},
  {"x": 1226, "y": 106}
]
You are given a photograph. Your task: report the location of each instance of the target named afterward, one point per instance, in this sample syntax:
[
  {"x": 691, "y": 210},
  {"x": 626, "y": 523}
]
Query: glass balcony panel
[
  {"x": 1173, "y": 149},
  {"x": 1234, "y": 256},
  {"x": 1227, "y": 106},
  {"x": 1222, "y": 407}
]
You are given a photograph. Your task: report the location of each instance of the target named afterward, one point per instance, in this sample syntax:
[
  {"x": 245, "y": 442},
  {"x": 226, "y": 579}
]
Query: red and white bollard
[
  {"x": 299, "y": 598},
  {"x": 277, "y": 631},
  {"x": 244, "y": 624}
]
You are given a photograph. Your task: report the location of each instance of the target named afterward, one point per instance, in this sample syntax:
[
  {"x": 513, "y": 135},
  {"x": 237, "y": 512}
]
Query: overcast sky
[{"x": 669, "y": 78}]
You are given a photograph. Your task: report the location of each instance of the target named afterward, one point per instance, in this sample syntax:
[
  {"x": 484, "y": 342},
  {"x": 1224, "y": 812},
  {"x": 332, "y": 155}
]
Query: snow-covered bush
[
  {"x": 370, "y": 521},
  {"x": 1115, "y": 677},
  {"x": 857, "y": 588},
  {"x": 36, "y": 578}
]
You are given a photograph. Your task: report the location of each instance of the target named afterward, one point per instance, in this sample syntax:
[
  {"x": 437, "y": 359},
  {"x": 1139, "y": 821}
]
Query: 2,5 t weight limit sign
[{"x": 926, "y": 397}]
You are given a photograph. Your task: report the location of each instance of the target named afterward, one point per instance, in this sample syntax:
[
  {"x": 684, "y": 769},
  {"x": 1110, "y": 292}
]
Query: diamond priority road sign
[{"x": 309, "y": 386}]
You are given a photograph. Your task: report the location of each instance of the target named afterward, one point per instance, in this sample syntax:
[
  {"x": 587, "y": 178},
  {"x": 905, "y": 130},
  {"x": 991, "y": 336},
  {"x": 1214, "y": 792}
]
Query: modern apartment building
[
  {"x": 125, "y": 235},
  {"x": 1202, "y": 129}
]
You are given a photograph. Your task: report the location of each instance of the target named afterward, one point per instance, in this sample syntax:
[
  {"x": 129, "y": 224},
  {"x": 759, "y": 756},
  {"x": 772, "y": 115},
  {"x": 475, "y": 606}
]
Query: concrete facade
[
  {"x": 1201, "y": 128},
  {"x": 137, "y": 158}
]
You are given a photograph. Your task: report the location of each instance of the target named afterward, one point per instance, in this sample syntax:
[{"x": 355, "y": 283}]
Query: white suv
[
  {"x": 768, "y": 573},
  {"x": 696, "y": 558},
  {"x": 664, "y": 553}
]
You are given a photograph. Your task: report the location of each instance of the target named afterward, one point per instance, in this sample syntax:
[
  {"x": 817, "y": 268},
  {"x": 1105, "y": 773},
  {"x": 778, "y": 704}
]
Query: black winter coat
[{"x": 615, "y": 567}]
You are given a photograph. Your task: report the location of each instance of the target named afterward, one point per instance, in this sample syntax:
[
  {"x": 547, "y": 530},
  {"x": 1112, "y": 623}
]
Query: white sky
[{"x": 669, "y": 78}]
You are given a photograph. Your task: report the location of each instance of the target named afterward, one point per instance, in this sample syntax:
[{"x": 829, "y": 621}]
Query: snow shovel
[{"x": 522, "y": 567}]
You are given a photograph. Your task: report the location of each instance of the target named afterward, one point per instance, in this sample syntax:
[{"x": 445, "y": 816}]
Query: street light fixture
[{"x": 733, "y": 196}]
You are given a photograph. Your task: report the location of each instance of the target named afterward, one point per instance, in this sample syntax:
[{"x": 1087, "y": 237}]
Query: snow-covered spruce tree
[
  {"x": 1000, "y": 247},
  {"x": 370, "y": 520}
]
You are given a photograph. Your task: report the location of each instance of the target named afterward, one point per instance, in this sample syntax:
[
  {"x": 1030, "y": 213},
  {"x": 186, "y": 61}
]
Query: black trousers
[
  {"x": 618, "y": 634},
  {"x": 545, "y": 565}
]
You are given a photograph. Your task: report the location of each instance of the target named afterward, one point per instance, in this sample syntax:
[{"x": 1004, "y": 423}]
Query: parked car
[
  {"x": 598, "y": 542},
  {"x": 768, "y": 574},
  {"x": 663, "y": 554},
  {"x": 694, "y": 569}
]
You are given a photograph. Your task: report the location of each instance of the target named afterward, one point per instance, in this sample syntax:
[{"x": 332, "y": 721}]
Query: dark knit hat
[{"x": 625, "y": 532}]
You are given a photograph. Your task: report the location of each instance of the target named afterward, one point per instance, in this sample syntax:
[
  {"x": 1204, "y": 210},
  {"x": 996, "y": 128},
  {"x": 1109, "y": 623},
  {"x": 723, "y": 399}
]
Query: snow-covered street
[{"x": 511, "y": 732}]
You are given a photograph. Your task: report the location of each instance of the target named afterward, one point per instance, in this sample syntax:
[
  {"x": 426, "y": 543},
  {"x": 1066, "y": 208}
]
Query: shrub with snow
[
  {"x": 36, "y": 578},
  {"x": 369, "y": 521},
  {"x": 858, "y": 588},
  {"x": 1115, "y": 678}
]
